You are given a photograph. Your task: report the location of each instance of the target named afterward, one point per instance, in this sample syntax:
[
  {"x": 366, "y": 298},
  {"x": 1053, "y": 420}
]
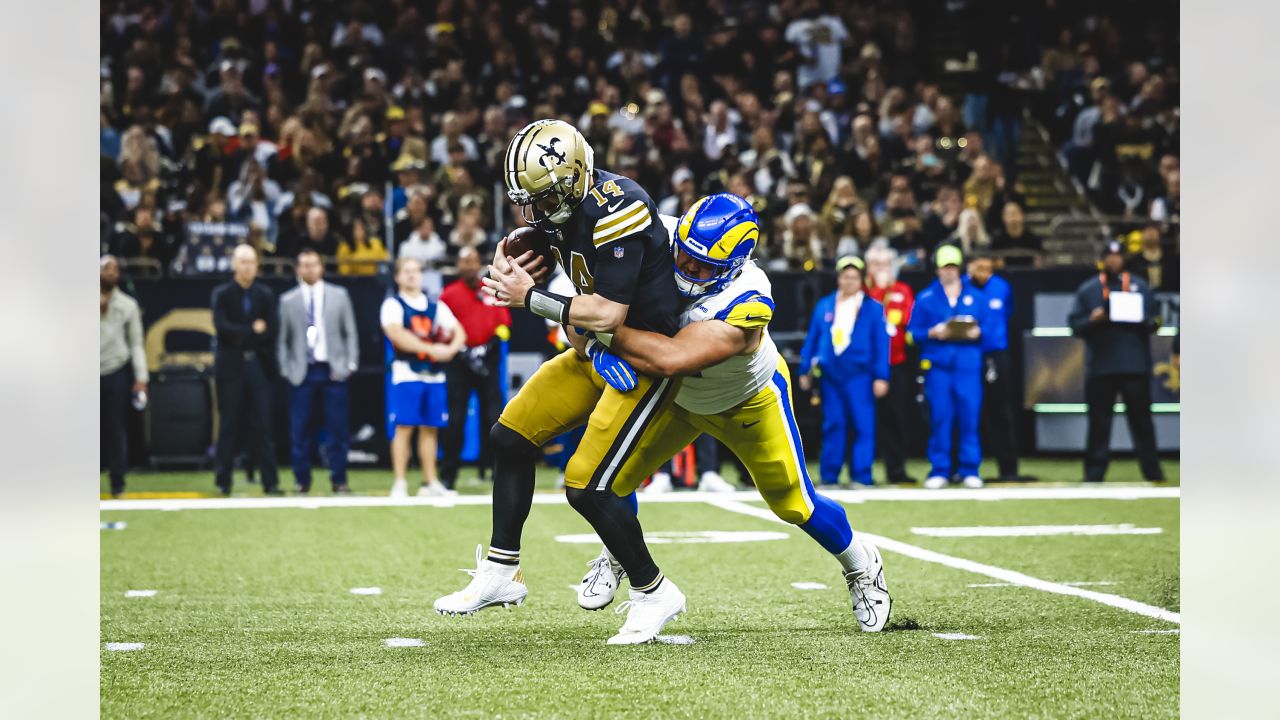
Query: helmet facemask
[{"x": 694, "y": 287}]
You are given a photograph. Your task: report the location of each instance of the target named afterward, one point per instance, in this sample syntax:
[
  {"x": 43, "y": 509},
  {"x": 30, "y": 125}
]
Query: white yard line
[
  {"x": 1081, "y": 492},
  {"x": 1034, "y": 530},
  {"x": 955, "y": 636},
  {"x": 991, "y": 571},
  {"x": 1082, "y": 583}
]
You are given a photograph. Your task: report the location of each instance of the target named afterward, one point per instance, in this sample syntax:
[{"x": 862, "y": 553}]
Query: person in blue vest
[
  {"x": 947, "y": 323},
  {"x": 848, "y": 349},
  {"x": 998, "y": 429},
  {"x": 422, "y": 337}
]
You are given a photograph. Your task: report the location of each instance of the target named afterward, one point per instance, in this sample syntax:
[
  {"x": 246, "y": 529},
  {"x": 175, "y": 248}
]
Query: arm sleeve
[
  {"x": 809, "y": 354},
  {"x": 224, "y": 324},
  {"x": 136, "y": 352},
  {"x": 880, "y": 347},
  {"x": 1078, "y": 318},
  {"x": 616, "y": 276},
  {"x": 445, "y": 318},
  {"x": 282, "y": 338},
  {"x": 350, "y": 333},
  {"x": 391, "y": 313},
  {"x": 918, "y": 325}
]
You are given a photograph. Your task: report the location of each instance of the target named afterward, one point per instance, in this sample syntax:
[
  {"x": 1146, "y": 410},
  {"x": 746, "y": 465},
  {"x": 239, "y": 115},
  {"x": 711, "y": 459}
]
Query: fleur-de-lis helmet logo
[{"x": 549, "y": 151}]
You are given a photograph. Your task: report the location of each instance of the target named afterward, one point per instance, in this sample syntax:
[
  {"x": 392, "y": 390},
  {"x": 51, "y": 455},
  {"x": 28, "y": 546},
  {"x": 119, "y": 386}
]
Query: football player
[
  {"x": 736, "y": 388},
  {"x": 607, "y": 236}
]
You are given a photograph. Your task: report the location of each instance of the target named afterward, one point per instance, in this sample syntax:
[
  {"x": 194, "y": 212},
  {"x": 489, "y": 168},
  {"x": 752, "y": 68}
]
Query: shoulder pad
[
  {"x": 749, "y": 310},
  {"x": 619, "y": 208}
]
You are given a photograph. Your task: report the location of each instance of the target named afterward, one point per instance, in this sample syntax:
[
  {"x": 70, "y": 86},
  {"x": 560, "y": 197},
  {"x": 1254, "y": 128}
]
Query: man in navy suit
[{"x": 848, "y": 348}]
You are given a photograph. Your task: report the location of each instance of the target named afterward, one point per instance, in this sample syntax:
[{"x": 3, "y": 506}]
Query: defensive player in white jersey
[{"x": 736, "y": 388}]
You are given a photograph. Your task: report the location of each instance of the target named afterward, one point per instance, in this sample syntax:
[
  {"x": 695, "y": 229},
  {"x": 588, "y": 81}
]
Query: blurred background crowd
[{"x": 374, "y": 130}]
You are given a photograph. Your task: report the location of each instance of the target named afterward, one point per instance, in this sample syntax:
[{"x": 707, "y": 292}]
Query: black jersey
[{"x": 615, "y": 246}]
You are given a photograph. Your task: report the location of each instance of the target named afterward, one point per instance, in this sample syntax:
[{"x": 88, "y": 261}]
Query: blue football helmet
[{"x": 719, "y": 230}]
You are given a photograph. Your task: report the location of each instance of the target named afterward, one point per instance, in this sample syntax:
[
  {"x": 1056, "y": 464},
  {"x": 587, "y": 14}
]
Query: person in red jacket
[
  {"x": 487, "y": 326},
  {"x": 897, "y": 298}
]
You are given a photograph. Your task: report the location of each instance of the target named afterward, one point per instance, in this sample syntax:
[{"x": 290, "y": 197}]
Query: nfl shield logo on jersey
[{"x": 618, "y": 252}]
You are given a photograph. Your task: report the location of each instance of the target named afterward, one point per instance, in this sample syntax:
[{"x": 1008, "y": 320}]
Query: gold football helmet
[{"x": 548, "y": 168}]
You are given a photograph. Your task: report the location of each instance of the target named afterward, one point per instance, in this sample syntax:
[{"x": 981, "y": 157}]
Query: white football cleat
[
  {"x": 661, "y": 483},
  {"x": 935, "y": 482},
  {"x": 400, "y": 488},
  {"x": 436, "y": 489},
  {"x": 491, "y": 584},
  {"x": 712, "y": 482},
  {"x": 600, "y": 583},
  {"x": 648, "y": 613},
  {"x": 973, "y": 481},
  {"x": 870, "y": 594}
]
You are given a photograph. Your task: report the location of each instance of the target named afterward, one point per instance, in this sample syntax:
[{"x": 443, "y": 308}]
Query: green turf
[
  {"x": 1046, "y": 470},
  {"x": 254, "y": 618}
]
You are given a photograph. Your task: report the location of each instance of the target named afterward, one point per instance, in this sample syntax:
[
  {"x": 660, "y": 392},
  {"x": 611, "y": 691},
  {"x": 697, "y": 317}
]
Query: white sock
[{"x": 853, "y": 557}]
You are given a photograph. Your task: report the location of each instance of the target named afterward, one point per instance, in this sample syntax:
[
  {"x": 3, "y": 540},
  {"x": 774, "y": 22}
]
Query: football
[{"x": 522, "y": 240}]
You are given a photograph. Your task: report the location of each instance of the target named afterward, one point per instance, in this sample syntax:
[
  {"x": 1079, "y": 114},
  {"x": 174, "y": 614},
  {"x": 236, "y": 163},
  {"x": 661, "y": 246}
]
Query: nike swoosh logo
[
  {"x": 746, "y": 425},
  {"x": 616, "y": 205}
]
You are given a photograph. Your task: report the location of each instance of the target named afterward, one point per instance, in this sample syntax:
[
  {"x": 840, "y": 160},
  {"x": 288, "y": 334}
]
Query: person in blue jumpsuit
[
  {"x": 848, "y": 349},
  {"x": 953, "y": 368},
  {"x": 998, "y": 429}
]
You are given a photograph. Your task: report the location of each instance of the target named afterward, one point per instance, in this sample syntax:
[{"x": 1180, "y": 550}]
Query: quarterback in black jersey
[{"x": 611, "y": 243}]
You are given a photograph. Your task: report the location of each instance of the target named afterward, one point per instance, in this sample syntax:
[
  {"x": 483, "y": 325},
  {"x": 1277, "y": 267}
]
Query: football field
[{"x": 1054, "y": 600}]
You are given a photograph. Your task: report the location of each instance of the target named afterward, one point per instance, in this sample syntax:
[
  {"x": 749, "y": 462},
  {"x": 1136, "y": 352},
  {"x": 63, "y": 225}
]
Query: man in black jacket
[
  {"x": 1117, "y": 360},
  {"x": 245, "y": 318}
]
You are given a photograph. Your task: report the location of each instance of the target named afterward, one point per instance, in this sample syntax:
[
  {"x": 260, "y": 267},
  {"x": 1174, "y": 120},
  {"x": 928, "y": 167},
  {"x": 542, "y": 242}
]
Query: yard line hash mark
[
  {"x": 140, "y": 593},
  {"x": 808, "y": 586},
  {"x": 991, "y": 571},
  {"x": 956, "y": 636},
  {"x": 124, "y": 647},
  {"x": 1084, "y": 583},
  {"x": 403, "y": 642},
  {"x": 366, "y": 591}
]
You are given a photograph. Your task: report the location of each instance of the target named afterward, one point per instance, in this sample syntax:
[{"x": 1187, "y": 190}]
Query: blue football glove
[{"x": 617, "y": 372}]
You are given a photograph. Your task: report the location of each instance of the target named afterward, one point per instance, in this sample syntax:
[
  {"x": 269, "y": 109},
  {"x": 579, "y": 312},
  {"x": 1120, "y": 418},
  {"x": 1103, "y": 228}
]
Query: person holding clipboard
[
  {"x": 1114, "y": 314},
  {"x": 948, "y": 322}
]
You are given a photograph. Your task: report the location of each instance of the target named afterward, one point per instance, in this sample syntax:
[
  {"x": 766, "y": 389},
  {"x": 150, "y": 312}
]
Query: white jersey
[{"x": 746, "y": 302}]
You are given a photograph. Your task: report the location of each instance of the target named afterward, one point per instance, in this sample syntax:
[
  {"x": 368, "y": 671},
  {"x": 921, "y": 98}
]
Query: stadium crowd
[{"x": 371, "y": 130}]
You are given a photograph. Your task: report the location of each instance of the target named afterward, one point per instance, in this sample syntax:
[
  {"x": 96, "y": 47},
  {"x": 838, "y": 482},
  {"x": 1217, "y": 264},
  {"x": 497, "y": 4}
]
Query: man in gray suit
[{"x": 318, "y": 351}]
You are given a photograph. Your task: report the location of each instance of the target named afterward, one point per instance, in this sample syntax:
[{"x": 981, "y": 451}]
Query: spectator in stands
[
  {"x": 1167, "y": 206},
  {"x": 422, "y": 337},
  {"x": 1117, "y": 362},
  {"x": 1155, "y": 262},
  {"x": 252, "y": 199},
  {"x": 143, "y": 238},
  {"x": 970, "y": 235},
  {"x": 319, "y": 350},
  {"x": 360, "y": 255},
  {"x": 244, "y": 365},
  {"x": 451, "y": 132},
  {"x": 122, "y": 366},
  {"x": 424, "y": 245},
  {"x": 998, "y": 426},
  {"x": 840, "y": 217},
  {"x": 947, "y": 322},
  {"x": 476, "y": 369},
  {"x": 894, "y": 409},
  {"x": 1015, "y": 241},
  {"x": 847, "y": 349},
  {"x": 319, "y": 237}
]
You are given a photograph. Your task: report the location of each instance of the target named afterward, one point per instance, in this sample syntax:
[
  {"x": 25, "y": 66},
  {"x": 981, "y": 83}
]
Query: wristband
[{"x": 548, "y": 305}]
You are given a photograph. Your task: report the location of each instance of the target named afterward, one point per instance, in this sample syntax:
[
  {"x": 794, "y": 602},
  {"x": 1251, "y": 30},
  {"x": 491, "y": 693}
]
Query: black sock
[
  {"x": 514, "y": 461},
  {"x": 617, "y": 525}
]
